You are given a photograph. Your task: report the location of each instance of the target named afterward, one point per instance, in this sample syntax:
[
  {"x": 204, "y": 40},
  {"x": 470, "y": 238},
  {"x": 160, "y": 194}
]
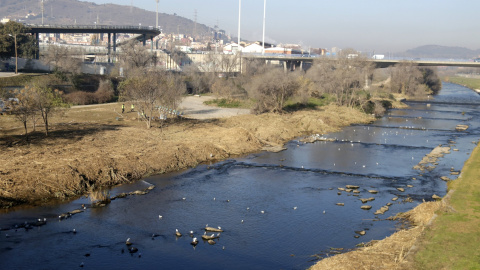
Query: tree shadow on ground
[{"x": 70, "y": 132}]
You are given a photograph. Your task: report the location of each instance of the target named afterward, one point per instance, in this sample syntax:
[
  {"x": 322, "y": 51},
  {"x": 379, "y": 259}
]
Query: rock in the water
[
  {"x": 340, "y": 204},
  {"x": 366, "y": 207},
  {"x": 367, "y": 199},
  {"x": 373, "y": 191},
  {"x": 394, "y": 198},
  {"x": 446, "y": 179},
  {"x": 461, "y": 127},
  {"x": 341, "y": 189},
  {"x": 436, "y": 197},
  {"x": 211, "y": 242},
  {"x": 361, "y": 232},
  {"x": 401, "y": 189},
  {"x": 352, "y": 187}
]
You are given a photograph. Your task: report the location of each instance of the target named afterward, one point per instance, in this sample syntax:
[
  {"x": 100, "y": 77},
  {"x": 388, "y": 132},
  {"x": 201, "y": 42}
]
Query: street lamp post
[
  {"x": 16, "y": 54},
  {"x": 157, "y": 13},
  {"x": 264, "y": 13}
]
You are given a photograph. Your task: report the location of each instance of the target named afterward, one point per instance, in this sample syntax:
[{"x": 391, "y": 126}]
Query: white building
[{"x": 253, "y": 48}]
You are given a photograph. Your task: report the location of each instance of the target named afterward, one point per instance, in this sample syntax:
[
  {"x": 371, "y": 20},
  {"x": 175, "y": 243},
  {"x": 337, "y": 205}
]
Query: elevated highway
[
  {"x": 292, "y": 60},
  {"x": 143, "y": 32}
]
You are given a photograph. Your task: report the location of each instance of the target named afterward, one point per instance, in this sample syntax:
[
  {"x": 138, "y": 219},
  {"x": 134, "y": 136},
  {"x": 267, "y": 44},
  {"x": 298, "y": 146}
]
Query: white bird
[
  {"x": 160, "y": 217},
  {"x": 242, "y": 221},
  {"x": 294, "y": 208},
  {"x": 263, "y": 212},
  {"x": 248, "y": 208},
  {"x": 184, "y": 198},
  {"x": 363, "y": 166},
  {"x": 74, "y": 231},
  {"x": 324, "y": 211},
  {"x": 219, "y": 227},
  {"x": 214, "y": 198}
]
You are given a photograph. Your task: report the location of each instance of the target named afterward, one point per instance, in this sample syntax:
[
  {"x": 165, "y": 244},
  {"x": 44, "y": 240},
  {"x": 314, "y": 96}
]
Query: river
[{"x": 276, "y": 209}]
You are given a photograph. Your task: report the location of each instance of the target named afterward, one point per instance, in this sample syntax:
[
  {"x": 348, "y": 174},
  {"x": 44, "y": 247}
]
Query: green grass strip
[{"x": 453, "y": 241}]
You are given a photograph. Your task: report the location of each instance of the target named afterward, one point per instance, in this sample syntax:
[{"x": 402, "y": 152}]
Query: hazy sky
[{"x": 382, "y": 26}]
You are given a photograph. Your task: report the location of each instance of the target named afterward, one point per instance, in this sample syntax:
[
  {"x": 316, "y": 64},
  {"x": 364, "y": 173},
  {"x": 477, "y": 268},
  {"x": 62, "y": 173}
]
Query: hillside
[
  {"x": 79, "y": 12},
  {"x": 437, "y": 51}
]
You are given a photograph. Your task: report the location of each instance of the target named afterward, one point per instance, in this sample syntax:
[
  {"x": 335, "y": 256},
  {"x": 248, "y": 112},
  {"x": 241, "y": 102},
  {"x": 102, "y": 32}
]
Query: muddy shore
[{"x": 94, "y": 154}]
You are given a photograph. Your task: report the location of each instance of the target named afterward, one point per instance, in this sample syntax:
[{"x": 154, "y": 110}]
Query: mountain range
[
  {"x": 437, "y": 51},
  {"x": 88, "y": 13}
]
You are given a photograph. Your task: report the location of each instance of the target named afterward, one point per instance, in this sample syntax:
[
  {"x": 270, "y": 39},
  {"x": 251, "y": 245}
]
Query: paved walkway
[
  {"x": 193, "y": 107},
  {"x": 8, "y": 74}
]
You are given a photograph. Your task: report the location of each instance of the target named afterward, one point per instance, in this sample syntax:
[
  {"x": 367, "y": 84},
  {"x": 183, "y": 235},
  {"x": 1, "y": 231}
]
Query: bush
[{"x": 80, "y": 98}]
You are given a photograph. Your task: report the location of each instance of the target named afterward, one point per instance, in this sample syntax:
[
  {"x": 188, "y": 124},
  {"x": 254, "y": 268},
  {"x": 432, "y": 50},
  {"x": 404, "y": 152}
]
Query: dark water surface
[{"x": 306, "y": 176}]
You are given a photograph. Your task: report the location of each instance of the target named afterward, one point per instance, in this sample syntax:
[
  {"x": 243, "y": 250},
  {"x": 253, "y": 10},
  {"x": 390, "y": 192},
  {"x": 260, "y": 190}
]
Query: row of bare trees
[
  {"x": 37, "y": 100},
  {"x": 346, "y": 79}
]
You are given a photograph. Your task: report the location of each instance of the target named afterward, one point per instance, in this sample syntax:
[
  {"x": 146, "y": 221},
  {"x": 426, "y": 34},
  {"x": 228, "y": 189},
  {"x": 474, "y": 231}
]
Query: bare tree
[
  {"x": 45, "y": 99},
  {"x": 135, "y": 56},
  {"x": 23, "y": 107},
  {"x": 63, "y": 59},
  {"x": 154, "y": 89},
  {"x": 272, "y": 89},
  {"x": 406, "y": 79},
  {"x": 344, "y": 77}
]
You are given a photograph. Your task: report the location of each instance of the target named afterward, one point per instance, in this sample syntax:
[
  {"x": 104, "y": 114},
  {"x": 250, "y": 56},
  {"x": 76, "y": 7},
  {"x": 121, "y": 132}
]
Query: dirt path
[{"x": 194, "y": 107}]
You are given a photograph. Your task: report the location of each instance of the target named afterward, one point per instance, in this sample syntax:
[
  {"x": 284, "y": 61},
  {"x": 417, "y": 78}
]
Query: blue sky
[{"x": 383, "y": 26}]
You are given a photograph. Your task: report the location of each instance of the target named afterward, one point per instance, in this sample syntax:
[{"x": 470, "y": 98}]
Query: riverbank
[
  {"x": 90, "y": 148},
  {"x": 444, "y": 235}
]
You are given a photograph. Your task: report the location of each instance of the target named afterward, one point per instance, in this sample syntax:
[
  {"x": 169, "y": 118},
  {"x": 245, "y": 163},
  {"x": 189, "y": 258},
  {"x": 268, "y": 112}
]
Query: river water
[{"x": 276, "y": 209}]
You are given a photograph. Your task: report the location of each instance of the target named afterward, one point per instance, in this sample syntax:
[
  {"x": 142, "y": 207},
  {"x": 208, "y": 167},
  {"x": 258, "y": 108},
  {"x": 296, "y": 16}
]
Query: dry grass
[{"x": 391, "y": 252}]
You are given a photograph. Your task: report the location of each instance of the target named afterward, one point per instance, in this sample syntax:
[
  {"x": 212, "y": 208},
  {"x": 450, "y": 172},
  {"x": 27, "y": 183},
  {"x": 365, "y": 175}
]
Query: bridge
[
  {"x": 143, "y": 32},
  {"x": 295, "y": 60}
]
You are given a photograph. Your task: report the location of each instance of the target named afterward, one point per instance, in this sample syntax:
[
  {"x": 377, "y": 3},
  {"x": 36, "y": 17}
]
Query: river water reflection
[{"x": 296, "y": 189}]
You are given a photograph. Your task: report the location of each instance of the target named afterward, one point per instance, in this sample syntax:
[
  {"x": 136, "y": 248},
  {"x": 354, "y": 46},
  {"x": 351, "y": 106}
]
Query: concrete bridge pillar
[
  {"x": 114, "y": 46},
  {"x": 37, "y": 43},
  {"x": 108, "y": 45}
]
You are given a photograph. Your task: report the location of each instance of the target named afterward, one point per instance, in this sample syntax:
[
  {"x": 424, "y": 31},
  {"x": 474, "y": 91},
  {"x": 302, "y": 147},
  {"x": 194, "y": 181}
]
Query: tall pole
[
  {"x": 42, "y": 12},
  {"x": 16, "y": 55},
  {"x": 264, "y": 12},
  {"x": 239, "y": 19},
  {"x": 157, "y": 13}
]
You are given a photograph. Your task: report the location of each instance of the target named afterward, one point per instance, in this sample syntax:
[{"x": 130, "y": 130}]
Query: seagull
[
  {"x": 263, "y": 212},
  {"x": 184, "y": 198},
  {"x": 219, "y": 227},
  {"x": 177, "y": 233},
  {"x": 194, "y": 241},
  {"x": 128, "y": 243},
  {"x": 160, "y": 217},
  {"x": 214, "y": 198},
  {"x": 242, "y": 221},
  {"x": 74, "y": 231},
  {"x": 294, "y": 208},
  {"x": 324, "y": 211}
]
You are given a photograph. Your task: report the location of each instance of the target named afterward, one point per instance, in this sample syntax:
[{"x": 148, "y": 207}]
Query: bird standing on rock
[{"x": 177, "y": 233}]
